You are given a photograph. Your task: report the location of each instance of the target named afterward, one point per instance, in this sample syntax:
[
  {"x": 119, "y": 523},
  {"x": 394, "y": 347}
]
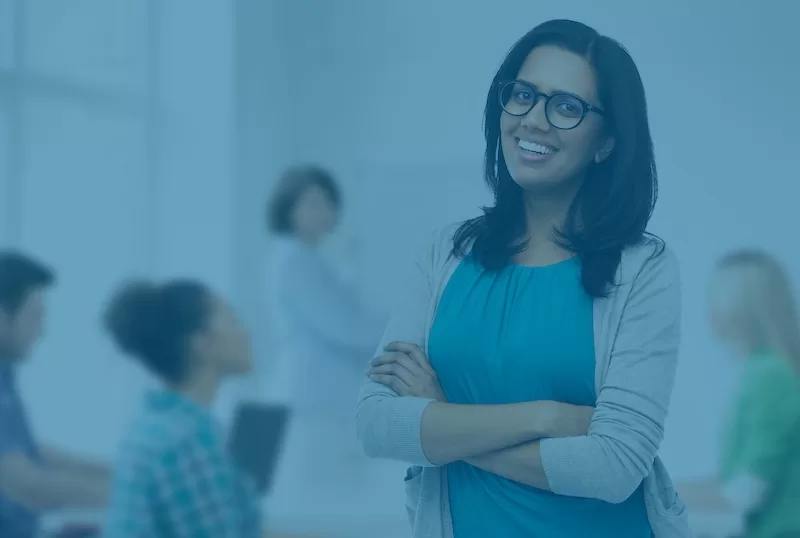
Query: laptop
[{"x": 256, "y": 440}]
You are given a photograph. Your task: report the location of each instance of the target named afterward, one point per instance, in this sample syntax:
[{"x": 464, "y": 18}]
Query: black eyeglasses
[{"x": 563, "y": 110}]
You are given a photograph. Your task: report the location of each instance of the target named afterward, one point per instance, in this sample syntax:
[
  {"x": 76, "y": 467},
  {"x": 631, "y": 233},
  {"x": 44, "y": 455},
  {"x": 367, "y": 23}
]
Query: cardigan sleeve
[
  {"x": 388, "y": 426},
  {"x": 628, "y": 425}
]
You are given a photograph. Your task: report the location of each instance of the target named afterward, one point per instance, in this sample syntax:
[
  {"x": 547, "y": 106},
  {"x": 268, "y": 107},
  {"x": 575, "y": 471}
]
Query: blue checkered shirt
[{"x": 175, "y": 479}]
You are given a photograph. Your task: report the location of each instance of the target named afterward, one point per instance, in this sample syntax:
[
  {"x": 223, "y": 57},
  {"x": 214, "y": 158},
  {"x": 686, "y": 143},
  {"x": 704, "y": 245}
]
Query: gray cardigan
[{"x": 637, "y": 335}]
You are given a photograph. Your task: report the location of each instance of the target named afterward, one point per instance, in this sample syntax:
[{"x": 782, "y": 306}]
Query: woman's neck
[
  {"x": 544, "y": 213},
  {"x": 744, "y": 349},
  {"x": 308, "y": 238},
  {"x": 201, "y": 388}
]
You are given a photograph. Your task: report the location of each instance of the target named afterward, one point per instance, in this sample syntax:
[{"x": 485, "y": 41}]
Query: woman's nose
[{"x": 536, "y": 118}]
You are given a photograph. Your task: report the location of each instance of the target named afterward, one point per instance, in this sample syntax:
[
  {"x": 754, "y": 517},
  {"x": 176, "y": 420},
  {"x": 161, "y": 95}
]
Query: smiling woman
[{"x": 529, "y": 365}]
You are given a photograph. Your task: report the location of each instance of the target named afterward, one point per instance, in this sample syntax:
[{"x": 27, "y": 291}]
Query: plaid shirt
[{"x": 174, "y": 478}]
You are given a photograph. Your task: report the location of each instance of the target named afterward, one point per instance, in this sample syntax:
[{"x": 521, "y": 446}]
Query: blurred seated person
[
  {"x": 34, "y": 479},
  {"x": 753, "y": 313},
  {"x": 174, "y": 477}
]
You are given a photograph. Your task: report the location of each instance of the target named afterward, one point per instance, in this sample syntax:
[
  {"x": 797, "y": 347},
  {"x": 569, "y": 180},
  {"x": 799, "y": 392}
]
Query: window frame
[{"x": 18, "y": 83}]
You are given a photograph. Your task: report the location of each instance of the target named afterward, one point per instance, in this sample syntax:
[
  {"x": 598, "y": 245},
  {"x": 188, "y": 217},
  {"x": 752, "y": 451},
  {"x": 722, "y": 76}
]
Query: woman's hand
[
  {"x": 405, "y": 369},
  {"x": 704, "y": 495},
  {"x": 565, "y": 420}
]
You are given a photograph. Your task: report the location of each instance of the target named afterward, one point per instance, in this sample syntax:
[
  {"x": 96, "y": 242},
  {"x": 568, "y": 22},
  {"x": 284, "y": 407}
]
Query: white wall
[
  {"x": 266, "y": 142},
  {"x": 196, "y": 188},
  {"x": 78, "y": 204}
]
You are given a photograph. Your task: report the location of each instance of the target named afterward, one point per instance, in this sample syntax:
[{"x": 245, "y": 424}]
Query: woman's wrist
[
  {"x": 452, "y": 432},
  {"x": 553, "y": 419},
  {"x": 543, "y": 419}
]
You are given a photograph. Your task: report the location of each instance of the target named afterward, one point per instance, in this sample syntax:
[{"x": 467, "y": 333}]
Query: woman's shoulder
[
  {"x": 441, "y": 237},
  {"x": 648, "y": 279},
  {"x": 160, "y": 432},
  {"x": 291, "y": 259},
  {"x": 650, "y": 256},
  {"x": 285, "y": 248},
  {"x": 648, "y": 248},
  {"x": 770, "y": 391},
  {"x": 437, "y": 247}
]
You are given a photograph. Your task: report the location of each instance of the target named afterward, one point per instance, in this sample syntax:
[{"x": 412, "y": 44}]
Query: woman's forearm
[
  {"x": 704, "y": 494},
  {"x": 70, "y": 463},
  {"x": 521, "y": 463},
  {"x": 745, "y": 494},
  {"x": 453, "y": 432}
]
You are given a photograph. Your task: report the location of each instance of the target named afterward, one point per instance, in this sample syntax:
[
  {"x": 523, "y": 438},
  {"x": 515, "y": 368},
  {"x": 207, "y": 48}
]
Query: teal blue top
[{"x": 515, "y": 335}]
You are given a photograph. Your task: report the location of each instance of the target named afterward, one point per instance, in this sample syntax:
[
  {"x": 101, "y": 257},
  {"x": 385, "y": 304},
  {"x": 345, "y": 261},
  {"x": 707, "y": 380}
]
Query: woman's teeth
[{"x": 535, "y": 148}]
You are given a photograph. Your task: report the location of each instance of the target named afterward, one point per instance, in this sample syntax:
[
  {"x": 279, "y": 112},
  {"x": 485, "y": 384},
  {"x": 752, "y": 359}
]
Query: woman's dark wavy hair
[{"x": 613, "y": 206}]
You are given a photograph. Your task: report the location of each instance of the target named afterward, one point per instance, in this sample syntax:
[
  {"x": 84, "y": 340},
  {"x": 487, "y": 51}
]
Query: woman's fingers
[
  {"x": 397, "y": 359},
  {"x": 405, "y": 369},
  {"x": 393, "y": 382},
  {"x": 414, "y": 352},
  {"x": 399, "y": 365},
  {"x": 387, "y": 358}
]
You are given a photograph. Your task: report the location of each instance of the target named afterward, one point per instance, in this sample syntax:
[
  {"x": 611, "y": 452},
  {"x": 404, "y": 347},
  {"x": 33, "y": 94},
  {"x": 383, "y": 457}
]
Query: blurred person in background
[
  {"x": 34, "y": 479},
  {"x": 325, "y": 334},
  {"x": 325, "y": 331},
  {"x": 754, "y": 314},
  {"x": 529, "y": 365},
  {"x": 174, "y": 476}
]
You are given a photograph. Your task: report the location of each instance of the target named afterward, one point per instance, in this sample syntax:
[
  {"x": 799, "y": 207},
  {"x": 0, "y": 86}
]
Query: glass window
[
  {"x": 83, "y": 176},
  {"x": 100, "y": 43},
  {"x": 5, "y": 172},
  {"x": 83, "y": 211},
  {"x": 80, "y": 195},
  {"x": 7, "y": 34}
]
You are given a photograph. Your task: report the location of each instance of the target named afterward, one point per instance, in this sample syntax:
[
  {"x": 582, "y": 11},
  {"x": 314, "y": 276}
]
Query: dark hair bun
[{"x": 133, "y": 316}]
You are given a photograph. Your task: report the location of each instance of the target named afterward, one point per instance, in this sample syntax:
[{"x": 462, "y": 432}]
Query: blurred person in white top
[{"x": 325, "y": 333}]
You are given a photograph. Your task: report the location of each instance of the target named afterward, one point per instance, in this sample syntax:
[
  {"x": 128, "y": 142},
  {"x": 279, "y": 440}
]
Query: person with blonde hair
[{"x": 753, "y": 312}]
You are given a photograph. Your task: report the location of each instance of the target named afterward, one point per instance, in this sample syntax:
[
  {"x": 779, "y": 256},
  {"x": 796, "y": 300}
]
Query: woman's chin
[{"x": 539, "y": 182}]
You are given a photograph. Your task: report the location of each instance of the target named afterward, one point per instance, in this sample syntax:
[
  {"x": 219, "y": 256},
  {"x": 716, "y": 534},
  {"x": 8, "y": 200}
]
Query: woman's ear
[{"x": 606, "y": 149}]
